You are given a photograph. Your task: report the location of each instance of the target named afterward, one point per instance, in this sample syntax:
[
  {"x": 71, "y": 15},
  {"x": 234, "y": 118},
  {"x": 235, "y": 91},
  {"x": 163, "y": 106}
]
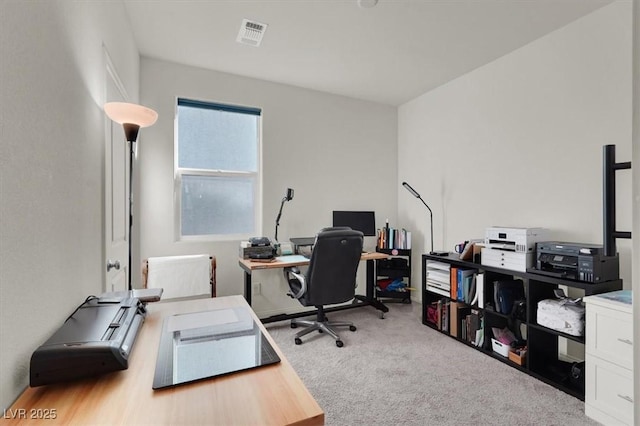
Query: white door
[{"x": 116, "y": 189}]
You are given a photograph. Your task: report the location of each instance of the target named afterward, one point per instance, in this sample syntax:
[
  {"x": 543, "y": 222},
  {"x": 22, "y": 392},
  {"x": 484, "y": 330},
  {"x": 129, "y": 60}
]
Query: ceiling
[{"x": 390, "y": 53}]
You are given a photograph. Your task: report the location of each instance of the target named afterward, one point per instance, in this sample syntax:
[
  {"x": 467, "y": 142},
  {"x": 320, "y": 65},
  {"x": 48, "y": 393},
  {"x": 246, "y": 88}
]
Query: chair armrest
[{"x": 298, "y": 276}]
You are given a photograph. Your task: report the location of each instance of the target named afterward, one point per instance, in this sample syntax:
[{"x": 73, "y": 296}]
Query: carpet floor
[{"x": 396, "y": 371}]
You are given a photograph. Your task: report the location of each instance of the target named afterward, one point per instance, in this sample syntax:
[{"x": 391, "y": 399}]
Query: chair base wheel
[
  {"x": 352, "y": 328},
  {"x": 298, "y": 341},
  {"x": 294, "y": 325},
  {"x": 339, "y": 343}
]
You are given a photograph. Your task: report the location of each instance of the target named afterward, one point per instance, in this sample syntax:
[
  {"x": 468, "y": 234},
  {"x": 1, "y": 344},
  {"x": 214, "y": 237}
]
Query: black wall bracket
[{"x": 610, "y": 167}]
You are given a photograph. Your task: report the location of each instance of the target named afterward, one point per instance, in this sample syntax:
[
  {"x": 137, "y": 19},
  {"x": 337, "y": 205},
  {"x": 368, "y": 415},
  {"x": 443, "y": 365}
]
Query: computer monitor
[{"x": 364, "y": 222}]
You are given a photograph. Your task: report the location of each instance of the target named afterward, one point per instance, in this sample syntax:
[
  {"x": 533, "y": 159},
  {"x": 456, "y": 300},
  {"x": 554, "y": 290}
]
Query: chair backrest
[{"x": 331, "y": 276}]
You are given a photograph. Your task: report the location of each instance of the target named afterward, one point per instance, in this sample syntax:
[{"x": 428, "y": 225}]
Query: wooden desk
[
  {"x": 270, "y": 395},
  {"x": 248, "y": 266}
]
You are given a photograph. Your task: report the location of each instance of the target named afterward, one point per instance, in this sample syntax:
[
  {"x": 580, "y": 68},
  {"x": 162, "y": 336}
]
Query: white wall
[
  {"x": 51, "y": 166},
  {"x": 337, "y": 153},
  {"x": 518, "y": 142}
]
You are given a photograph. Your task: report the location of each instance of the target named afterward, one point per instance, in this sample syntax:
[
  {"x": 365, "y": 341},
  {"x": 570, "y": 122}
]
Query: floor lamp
[
  {"x": 415, "y": 194},
  {"x": 132, "y": 117}
]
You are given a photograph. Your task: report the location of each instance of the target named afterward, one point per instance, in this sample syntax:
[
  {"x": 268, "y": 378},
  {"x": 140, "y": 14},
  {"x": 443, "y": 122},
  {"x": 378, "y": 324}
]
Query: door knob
[{"x": 113, "y": 264}]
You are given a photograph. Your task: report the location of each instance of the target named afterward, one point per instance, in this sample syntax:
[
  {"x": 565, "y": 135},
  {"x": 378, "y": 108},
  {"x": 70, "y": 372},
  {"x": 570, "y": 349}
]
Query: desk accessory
[
  {"x": 415, "y": 194},
  {"x": 287, "y": 197},
  {"x": 97, "y": 338},
  {"x": 202, "y": 345}
]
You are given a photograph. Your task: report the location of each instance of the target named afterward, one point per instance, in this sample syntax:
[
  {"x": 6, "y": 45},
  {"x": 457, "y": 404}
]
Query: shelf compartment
[
  {"x": 404, "y": 296},
  {"x": 579, "y": 339}
]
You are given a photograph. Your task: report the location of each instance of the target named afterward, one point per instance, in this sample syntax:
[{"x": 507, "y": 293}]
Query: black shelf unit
[
  {"x": 390, "y": 269},
  {"x": 542, "y": 360}
]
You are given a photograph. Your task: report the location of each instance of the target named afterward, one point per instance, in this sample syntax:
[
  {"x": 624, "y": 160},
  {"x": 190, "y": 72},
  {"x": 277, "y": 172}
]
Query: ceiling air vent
[{"x": 251, "y": 32}]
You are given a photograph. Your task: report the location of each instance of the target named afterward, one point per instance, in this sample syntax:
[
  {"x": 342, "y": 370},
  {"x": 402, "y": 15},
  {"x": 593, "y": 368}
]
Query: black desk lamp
[
  {"x": 415, "y": 194},
  {"x": 288, "y": 197}
]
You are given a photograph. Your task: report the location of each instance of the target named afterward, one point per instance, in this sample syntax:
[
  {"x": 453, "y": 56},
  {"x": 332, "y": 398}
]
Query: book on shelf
[
  {"x": 473, "y": 329},
  {"x": 393, "y": 238},
  {"x": 478, "y": 298},
  {"x": 453, "y": 282},
  {"x": 461, "y": 280},
  {"x": 453, "y": 318}
]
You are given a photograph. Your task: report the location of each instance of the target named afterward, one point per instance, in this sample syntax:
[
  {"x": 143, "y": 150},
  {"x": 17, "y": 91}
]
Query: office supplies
[
  {"x": 511, "y": 248},
  {"x": 517, "y": 240},
  {"x": 257, "y": 396},
  {"x": 206, "y": 344},
  {"x": 415, "y": 194},
  {"x": 363, "y": 221},
  {"x": 247, "y": 250},
  {"x": 576, "y": 261},
  {"x": 96, "y": 339},
  {"x": 259, "y": 241},
  {"x": 288, "y": 196},
  {"x": 303, "y": 241}
]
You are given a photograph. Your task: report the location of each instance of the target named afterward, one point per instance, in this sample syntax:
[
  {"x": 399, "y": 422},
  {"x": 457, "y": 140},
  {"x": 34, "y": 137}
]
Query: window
[{"x": 217, "y": 169}]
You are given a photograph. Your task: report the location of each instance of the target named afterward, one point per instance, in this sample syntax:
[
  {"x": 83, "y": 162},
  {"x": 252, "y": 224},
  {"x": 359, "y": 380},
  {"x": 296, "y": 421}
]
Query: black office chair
[{"x": 330, "y": 278}]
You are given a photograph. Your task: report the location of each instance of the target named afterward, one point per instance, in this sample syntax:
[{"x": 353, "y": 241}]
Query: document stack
[{"x": 438, "y": 278}]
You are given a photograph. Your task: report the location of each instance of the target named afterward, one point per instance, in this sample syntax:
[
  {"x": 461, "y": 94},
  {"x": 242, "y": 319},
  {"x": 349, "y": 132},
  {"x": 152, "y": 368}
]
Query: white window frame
[{"x": 179, "y": 172}]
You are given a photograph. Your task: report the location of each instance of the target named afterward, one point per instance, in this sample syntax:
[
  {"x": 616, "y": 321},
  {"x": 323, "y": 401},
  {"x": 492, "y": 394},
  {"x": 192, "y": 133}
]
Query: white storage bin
[{"x": 500, "y": 348}]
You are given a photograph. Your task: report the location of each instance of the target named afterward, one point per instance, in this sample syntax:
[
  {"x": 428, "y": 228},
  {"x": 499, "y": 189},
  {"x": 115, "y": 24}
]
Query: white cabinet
[{"x": 609, "y": 358}]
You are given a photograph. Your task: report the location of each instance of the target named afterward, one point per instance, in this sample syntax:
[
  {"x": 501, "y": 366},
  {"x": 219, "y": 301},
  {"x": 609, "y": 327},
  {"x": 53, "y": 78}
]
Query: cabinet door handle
[
  {"x": 626, "y": 398},
  {"x": 627, "y": 341}
]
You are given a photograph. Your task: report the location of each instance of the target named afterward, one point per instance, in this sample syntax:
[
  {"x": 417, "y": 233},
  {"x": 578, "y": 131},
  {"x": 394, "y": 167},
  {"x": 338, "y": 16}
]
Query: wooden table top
[
  {"x": 251, "y": 265},
  {"x": 270, "y": 395}
]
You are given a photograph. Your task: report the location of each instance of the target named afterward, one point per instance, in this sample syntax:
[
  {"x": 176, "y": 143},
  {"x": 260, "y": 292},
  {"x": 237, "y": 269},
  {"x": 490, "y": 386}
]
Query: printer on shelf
[
  {"x": 97, "y": 338},
  {"x": 511, "y": 248},
  {"x": 575, "y": 261}
]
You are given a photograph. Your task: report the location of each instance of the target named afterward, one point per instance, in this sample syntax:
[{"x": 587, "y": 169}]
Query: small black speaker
[{"x": 577, "y": 375}]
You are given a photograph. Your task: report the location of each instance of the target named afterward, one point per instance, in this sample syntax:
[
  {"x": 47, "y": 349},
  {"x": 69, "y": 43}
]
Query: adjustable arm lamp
[
  {"x": 415, "y": 194},
  {"x": 288, "y": 197},
  {"x": 132, "y": 117}
]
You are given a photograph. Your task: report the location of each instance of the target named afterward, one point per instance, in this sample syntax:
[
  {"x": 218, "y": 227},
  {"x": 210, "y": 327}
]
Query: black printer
[
  {"x": 576, "y": 261},
  {"x": 97, "y": 338}
]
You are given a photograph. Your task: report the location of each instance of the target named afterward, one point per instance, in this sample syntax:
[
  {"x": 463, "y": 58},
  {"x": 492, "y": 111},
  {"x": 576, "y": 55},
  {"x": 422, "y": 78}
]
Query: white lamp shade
[{"x": 126, "y": 113}]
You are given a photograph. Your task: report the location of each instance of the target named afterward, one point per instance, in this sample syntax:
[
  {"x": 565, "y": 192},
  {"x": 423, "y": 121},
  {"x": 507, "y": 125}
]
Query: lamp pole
[{"x": 131, "y": 156}]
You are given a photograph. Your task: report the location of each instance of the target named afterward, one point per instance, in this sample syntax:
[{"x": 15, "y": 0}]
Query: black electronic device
[
  {"x": 259, "y": 241},
  {"x": 260, "y": 256},
  {"x": 363, "y": 221},
  {"x": 576, "y": 261},
  {"x": 96, "y": 339}
]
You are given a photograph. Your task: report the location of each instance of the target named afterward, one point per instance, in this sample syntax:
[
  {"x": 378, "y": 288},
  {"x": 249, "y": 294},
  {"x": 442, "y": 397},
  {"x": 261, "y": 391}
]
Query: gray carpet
[{"x": 396, "y": 371}]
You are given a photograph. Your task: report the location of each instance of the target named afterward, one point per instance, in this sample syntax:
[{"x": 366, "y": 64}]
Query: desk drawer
[
  {"x": 609, "y": 389},
  {"x": 610, "y": 335}
]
